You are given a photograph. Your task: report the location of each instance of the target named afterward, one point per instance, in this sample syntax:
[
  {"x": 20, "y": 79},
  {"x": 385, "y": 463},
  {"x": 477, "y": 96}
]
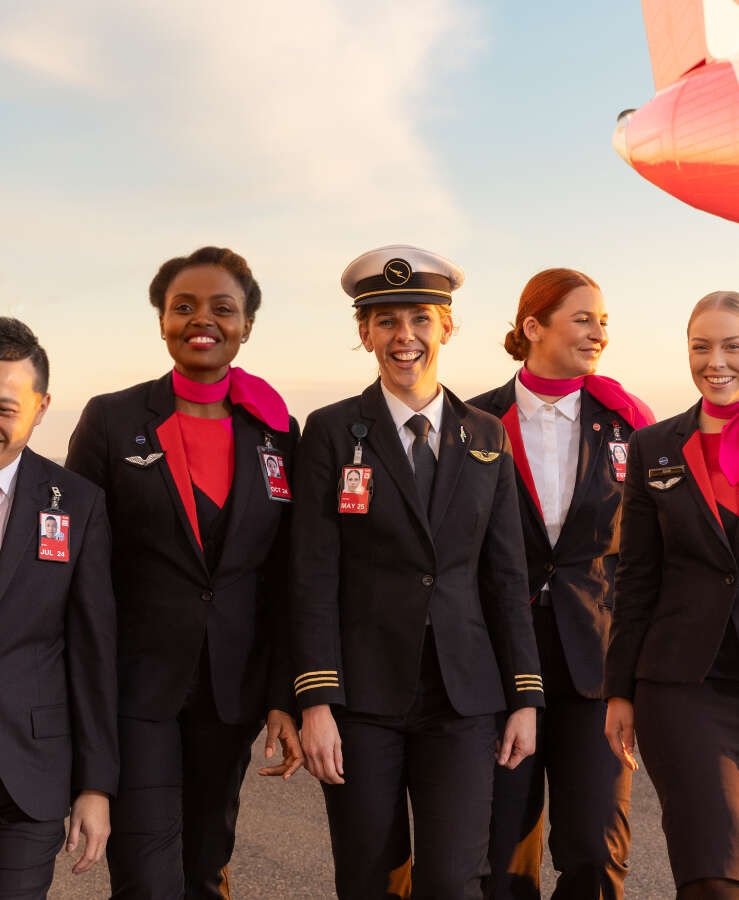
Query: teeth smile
[
  {"x": 201, "y": 340},
  {"x": 718, "y": 379},
  {"x": 407, "y": 357}
]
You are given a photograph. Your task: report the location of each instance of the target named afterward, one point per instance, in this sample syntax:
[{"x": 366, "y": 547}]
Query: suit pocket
[{"x": 50, "y": 721}]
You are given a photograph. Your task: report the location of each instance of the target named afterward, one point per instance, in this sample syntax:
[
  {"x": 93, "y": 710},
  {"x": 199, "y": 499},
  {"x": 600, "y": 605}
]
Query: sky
[{"x": 303, "y": 134}]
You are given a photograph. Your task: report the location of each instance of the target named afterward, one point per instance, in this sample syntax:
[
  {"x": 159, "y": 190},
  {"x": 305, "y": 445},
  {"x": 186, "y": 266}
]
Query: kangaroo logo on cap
[{"x": 397, "y": 272}]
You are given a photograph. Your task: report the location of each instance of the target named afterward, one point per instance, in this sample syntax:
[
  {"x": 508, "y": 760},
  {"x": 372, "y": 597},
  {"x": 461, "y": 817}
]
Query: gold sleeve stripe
[
  {"x": 320, "y": 684},
  {"x": 306, "y": 682},
  {"x": 317, "y": 672},
  {"x": 529, "y": 687},
  {"x": 528, "y": 675}
]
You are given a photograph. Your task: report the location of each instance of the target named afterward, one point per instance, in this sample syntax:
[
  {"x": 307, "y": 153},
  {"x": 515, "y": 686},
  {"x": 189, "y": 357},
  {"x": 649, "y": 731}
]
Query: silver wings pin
[
  {"x": 141, "y": 462},
  {"x": 666, "y": 485}
]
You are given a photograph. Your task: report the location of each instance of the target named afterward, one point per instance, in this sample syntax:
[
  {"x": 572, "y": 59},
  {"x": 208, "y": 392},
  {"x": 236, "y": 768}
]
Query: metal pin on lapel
[{"x": 462, "y": 434}]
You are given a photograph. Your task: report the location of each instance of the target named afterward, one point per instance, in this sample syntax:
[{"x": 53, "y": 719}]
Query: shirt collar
[
  {"x": 530, "y": 404},
  {"x": 7, "y": 475},
  {"x": 401, "y": 413}
]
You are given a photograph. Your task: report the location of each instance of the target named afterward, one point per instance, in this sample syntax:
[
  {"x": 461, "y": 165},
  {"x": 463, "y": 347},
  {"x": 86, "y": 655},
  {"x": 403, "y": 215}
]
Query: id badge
[
  {"x": 53, "y": 543},
  {"x": 355, "y": 488},
  {"x": 275, "y": 477},
  {"x": 618, "y": 452}
]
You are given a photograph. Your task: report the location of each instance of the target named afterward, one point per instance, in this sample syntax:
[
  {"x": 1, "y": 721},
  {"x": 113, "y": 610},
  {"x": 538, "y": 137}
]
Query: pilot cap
[{"x": 400, "y": 273}]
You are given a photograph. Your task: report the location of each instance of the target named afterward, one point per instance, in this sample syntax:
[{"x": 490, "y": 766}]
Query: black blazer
[
  {"x": 365, "y": 584},
  {"x": 580, "y": 568},
  {"x": 168, "y": 600},
  {"x": 57, "y": 648},
  {"x": 676, "y": 579}
]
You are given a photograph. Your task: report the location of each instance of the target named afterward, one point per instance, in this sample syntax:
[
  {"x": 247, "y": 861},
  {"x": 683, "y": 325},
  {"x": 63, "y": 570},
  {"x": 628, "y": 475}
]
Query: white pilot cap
[{"x": 400, "y": 273}]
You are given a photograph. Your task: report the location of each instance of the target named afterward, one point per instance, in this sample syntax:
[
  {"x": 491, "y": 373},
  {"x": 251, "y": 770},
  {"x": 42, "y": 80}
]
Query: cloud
[{"x": 329, "y": 104}]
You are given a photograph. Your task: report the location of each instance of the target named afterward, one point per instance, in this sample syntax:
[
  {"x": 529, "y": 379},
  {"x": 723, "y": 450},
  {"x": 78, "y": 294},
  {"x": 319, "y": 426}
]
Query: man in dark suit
[{"x": 57, "y": 643}]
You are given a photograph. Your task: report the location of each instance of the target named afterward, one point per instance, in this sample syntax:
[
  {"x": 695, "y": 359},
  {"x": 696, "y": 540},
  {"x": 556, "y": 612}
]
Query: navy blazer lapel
[
  {"x": 161, "y": 402},
  {"x": 505, "y": 402},
  {"x": 382, "y": 436},
  {"x": 699, "y": 482},
  {"x": 31, "y": 496},
  {"x": 453, "y": 447},
  {"x": 246, "y": 476}
]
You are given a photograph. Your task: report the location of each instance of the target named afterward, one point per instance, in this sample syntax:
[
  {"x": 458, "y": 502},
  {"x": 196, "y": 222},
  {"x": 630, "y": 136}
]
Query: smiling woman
[
  {"x": 198, "y": 566},
  {"x": 411, "y": 625},
  {"x": 672, "y": 670},
  {"x": 569, "y": 430}
]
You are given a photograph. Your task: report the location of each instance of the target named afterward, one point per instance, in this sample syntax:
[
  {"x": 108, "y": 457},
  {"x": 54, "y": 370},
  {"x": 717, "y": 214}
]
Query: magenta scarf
[
  {"x": 254, "y": 394},
  {"x": 728, "y": 454},
  {"x": 605, "y": 390}
]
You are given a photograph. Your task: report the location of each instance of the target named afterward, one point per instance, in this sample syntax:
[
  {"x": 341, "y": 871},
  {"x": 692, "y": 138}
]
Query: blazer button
[
  {"x": 729, "y": 579},
  {"x": 207, "y": 596},
  {"x": 427, "y": 580},
  {"x": 549, "y": 568}
]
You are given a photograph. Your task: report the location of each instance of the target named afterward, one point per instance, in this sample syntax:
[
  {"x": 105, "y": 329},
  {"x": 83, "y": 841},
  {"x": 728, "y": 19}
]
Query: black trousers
[
  {"x": 440, "y": 760},
  {"x": 174, "y": 820},
  {"x": 589, "y": 796},
  {"x": 28, "y": 850}
]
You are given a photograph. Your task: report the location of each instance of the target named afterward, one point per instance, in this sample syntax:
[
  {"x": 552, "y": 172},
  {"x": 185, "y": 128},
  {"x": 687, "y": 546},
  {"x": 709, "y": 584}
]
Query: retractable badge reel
[
  {"x": 355, "y": 484},
  {"x": 618, "y": 451},
  {"x": 272, "y": 463},
  {"x": 53, "y": 530}
]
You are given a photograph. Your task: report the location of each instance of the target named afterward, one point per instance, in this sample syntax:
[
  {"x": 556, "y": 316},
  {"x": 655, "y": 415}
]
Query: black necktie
[{"x": 424, "y": 461}]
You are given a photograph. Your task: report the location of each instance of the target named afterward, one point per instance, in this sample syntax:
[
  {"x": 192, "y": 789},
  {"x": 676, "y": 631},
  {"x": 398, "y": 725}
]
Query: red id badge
[
  {"x": 53, "y": 542},
  {"x": 275, "y": 477},
  {"x": 354, "y": 490},
  {"x": 618, "y": 452}
]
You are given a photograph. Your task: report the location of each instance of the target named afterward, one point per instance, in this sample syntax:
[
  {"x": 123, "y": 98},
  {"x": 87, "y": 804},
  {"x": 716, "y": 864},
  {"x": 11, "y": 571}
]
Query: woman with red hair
[{"x": 569, "y": 429}]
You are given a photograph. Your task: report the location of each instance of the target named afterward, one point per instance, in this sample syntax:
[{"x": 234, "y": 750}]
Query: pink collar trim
[
  {"x": 254, "y": 394},
  {"x": 720, "y": 412},
  {"x": 605, "y": 390},
  {"x": 728, "y": 454},
  {"x": 550, "y": 387}
]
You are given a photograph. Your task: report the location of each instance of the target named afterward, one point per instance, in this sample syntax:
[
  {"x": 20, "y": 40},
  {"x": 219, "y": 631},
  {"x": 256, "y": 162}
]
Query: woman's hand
[
  {"x": 519, "y": 738},
  {"x": 281, "y": 727},
  {"x": 322, "y": 744},
  {"x": 620, "y": 730}
]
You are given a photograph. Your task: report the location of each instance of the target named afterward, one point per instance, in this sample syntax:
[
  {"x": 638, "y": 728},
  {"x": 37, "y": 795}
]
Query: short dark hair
[
  {"x": 234, "y": 264},
  {"x": 17, "y": 341}
]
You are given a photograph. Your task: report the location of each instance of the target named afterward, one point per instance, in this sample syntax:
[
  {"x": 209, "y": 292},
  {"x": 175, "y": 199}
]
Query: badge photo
[
  {"x": 53, "y": 544},
  {"x": 354, "y": 490},
  {"x": 618, "y": 452},
  {"x": 275, "y": 477}
]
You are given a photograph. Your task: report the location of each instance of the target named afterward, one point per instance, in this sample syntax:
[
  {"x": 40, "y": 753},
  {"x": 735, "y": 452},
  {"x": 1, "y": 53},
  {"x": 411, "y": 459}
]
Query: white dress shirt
[
  {"x": 551, "y": 437},
  {"x": 401, "y": 413},
  {"x": 8, "y": 478}
]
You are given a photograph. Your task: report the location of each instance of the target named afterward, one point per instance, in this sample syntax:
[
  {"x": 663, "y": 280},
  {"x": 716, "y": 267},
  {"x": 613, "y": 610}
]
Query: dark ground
[{"x": 283, "y": 852}]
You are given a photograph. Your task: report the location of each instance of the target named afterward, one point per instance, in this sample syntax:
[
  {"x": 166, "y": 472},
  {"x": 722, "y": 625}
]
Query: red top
[{"x": 209, "y": 449}]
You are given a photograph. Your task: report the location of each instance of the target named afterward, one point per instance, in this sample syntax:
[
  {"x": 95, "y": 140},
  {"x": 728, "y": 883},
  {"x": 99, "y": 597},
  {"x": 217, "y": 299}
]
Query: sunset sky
[{"x": 301, "y": 134}]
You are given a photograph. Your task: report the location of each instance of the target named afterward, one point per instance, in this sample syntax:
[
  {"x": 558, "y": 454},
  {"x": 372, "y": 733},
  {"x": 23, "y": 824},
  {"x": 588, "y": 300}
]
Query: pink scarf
[
  {"x": 254, "y": 394},
  {"x": 605, "y": 390},
  {"x": 728, "y": 454}
]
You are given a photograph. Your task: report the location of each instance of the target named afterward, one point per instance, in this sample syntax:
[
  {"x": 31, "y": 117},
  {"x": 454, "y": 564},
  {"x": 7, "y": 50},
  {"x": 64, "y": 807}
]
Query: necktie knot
[{"x": 419, "y": 425}]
